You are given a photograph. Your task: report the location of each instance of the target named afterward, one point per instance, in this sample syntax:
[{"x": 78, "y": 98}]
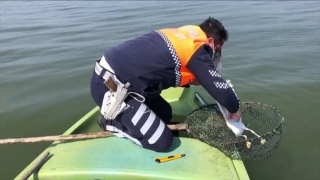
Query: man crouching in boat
[{"x": 146, "y": 65}]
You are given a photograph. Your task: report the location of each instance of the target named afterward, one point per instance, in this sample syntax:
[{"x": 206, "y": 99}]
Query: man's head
[{"x": 215, "y": 32}]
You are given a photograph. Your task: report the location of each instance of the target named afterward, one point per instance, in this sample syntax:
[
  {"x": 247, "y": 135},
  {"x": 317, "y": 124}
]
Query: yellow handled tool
[{"x": 169, "y": 158}]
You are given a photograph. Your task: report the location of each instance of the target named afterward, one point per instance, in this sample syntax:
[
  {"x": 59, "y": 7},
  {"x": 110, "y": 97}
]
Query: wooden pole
[{"x": 174, "y": 127}]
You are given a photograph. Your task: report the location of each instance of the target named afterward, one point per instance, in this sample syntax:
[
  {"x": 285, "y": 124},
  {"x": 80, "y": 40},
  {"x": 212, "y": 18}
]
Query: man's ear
[{"x": 210, "y": 40}]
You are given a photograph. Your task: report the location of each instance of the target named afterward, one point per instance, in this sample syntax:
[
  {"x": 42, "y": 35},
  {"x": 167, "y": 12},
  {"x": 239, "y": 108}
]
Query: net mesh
[{"x": 208, "y": 125}]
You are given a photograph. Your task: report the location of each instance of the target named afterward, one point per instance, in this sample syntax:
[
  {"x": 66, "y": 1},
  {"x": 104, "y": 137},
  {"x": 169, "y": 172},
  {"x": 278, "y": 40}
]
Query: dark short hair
[{"x": 214, "y": 28}]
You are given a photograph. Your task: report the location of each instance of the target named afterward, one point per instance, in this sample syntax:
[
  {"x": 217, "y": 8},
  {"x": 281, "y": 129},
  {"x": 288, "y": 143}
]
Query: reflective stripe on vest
[{"x": 182, "y": 43}]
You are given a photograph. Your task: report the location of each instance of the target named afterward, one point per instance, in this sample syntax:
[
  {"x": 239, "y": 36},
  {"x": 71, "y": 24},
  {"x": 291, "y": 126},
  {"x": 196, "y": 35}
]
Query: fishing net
[{"x": 208, "y": 125}]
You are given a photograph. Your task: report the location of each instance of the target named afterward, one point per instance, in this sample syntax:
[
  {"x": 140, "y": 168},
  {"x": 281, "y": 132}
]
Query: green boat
[{"x": 119, "y": 159}]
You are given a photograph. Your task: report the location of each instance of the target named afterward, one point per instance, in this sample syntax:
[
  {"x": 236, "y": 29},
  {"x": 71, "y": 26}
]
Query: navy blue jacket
[{"x": 146, "y": 61}]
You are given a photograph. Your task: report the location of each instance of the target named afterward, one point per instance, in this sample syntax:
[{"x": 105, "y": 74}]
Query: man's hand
[{"x": 235, "y": 116}]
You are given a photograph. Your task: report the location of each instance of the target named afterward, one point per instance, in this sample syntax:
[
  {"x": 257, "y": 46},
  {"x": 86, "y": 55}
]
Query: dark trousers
[{"x": 142, "y": 123}]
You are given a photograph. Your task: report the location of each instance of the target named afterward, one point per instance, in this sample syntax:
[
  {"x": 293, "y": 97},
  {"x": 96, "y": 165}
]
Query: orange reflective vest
[{"x": 182, "y": 43}]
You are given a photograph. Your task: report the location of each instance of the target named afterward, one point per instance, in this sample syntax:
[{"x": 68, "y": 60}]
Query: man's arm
[{"x": 204, "y": 70}]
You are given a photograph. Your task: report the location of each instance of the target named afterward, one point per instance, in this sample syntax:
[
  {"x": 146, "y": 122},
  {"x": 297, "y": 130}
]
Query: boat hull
[{"x": 117, "y": 158}]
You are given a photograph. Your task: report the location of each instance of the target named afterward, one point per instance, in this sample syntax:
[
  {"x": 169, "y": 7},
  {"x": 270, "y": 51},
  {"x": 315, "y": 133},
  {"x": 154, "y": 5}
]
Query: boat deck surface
[{"x": 114, "y": 158}]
